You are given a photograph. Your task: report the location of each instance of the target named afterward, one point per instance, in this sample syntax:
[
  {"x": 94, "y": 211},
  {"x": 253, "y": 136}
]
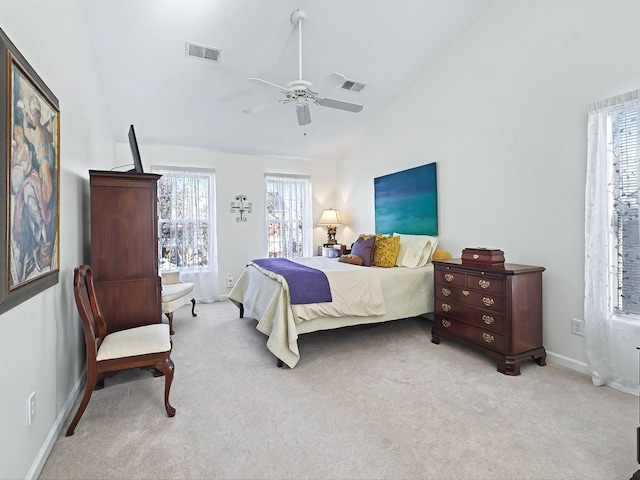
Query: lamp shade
[{"x": 330, "y": 217}]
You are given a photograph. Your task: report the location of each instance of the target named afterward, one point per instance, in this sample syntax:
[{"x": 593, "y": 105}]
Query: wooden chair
[
  {"x": 175, "y": 294},
  {"x": 147, "y": 346}
]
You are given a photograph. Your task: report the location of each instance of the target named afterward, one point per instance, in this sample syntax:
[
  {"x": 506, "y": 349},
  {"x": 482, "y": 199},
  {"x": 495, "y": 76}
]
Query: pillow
[
  {"x": 415, "y": 250},
  {"x": 441, "y": 255},
  {"x": 363, "y": 248},
  {"x": 352, "y": 259},
  {"x": 385, "y": 252},
  {"x": 368, "y": 235}
]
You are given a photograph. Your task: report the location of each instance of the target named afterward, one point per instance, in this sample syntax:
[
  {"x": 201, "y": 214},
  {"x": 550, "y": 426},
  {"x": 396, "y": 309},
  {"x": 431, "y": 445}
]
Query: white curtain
[
  {"x": 289, "y": 223},
  {"x": 187, "y": 228},
  {"x": 611, "y": 338}
]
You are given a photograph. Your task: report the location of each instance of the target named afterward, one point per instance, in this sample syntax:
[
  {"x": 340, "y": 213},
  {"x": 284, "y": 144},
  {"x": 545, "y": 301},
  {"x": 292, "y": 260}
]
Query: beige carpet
[{"x": 363, "y": 403}]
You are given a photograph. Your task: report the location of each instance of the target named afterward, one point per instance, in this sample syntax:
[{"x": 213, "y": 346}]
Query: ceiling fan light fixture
[{"x": 299, "y": 91}]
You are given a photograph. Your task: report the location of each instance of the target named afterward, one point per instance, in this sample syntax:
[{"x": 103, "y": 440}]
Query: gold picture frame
[{"x": 30, "y": 237}]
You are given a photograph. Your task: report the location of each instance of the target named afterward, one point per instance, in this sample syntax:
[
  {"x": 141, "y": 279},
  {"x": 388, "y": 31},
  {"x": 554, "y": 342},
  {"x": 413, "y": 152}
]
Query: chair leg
[
  {"x": 193, "y": 307},
  {"x": 88, "y": 390},
  {"x": 170, "y": 317},
  {"x": 167, "y": 367}
]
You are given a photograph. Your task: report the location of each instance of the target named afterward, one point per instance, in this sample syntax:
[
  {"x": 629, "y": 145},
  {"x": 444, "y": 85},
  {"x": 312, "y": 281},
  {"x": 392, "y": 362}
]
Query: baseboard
[
  {"x": 56, "y": 428},
  {"x": 568, "y": 363}
]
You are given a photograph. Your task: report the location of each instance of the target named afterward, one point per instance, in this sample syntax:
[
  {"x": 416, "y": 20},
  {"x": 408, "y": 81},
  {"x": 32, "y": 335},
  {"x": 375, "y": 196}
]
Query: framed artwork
[
  {"x": 407, "y": 201},
  {"x": 29, "y": 192}
]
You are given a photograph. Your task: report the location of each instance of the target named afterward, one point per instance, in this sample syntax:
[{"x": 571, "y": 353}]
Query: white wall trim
[
  {"x": 568, "y": 362},
  {"x": 56, "y": 428}
]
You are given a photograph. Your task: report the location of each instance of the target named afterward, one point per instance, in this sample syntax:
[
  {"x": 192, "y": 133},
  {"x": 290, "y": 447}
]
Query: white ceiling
[{"x": 176, "y": 100}]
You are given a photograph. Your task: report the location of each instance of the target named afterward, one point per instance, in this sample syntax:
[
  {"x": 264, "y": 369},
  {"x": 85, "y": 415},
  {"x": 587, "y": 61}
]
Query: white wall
[
  {"x": 503, "y": 113},
  {"x": 42, "y": 347},
  {"x": 239, "y": 243}
]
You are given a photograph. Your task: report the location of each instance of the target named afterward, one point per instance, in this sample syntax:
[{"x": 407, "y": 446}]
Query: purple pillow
[{"x": 364, "y": 249}]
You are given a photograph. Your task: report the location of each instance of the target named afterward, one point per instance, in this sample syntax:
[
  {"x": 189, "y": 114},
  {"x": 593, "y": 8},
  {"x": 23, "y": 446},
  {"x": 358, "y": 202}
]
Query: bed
[{"x": 360, "y": 295}]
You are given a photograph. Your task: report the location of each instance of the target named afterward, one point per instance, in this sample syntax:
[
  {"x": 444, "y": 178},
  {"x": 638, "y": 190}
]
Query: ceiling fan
[{"x": 299, "y": 92}]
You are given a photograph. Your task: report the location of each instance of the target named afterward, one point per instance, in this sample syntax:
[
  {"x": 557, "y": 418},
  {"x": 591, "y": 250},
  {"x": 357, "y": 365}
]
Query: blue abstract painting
[{"x": 407, "y": 201}]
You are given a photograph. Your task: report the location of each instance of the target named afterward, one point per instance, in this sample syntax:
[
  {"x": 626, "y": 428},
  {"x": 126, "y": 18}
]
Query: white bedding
[
  {"x": 354, "y": 290},
  {"x": 360, "y": 295}
]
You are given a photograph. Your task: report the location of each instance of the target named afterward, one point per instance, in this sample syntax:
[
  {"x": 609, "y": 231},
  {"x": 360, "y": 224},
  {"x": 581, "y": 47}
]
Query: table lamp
[{"x": 330, "y": 218}]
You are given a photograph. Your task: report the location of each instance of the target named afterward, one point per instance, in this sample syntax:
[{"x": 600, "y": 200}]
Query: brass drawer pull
[
  {"x": 487, "y": 338},
  {"x": 488, "y": 319},
  {"x": 487, "y": 301},
  {"x": 446, "y": 323},
  {"x": 484, "y": 283},
  {"x": 446, "y": 292},
  {"x": 448, "y": 277},
  {"x": 446, "y": 307},
  {"x": 465, "y": 293}
]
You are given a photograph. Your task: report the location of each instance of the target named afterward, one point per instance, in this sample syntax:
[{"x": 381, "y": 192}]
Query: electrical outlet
[
  {"x": 229, "y": 280},
  {"x": 31, "y": 408},
  {"x": 577, "y": 327}
]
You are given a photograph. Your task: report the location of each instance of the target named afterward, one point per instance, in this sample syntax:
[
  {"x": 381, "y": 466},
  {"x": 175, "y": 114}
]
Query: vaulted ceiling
[{"x": 179, "y": 100}]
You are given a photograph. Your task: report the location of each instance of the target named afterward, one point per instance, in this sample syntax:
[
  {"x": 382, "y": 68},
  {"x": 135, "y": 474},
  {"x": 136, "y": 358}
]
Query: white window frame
[
  {"x": 292, "y": 216},
  {"x": 203, "y": 276}
]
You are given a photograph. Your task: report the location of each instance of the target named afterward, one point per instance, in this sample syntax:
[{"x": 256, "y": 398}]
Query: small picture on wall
[{"x": 407, "y": 201}]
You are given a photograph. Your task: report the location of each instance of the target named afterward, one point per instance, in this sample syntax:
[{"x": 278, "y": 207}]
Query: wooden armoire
[{"x": 124, "y": 247}]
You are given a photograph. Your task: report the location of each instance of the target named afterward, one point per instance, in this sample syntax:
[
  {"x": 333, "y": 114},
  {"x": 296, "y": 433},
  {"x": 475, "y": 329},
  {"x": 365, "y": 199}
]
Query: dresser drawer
[
  {"x": 485, "y": 283},
  {"x": 474, "y": 281},
  {"x": 483, "y": 319},
  {"x": 467, "y": 314},
  {"x": 489, "y": 301},
  {"x": 450, "y": 277},
  {"x": 486, "y": 338}
]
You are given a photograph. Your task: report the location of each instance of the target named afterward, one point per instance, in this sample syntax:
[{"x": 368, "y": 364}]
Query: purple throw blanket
[{"x": 306, "y": 284}]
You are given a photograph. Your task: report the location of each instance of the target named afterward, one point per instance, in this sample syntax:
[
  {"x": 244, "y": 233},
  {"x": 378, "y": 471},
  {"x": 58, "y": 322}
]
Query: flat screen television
[{"x": 133, "y": 143}]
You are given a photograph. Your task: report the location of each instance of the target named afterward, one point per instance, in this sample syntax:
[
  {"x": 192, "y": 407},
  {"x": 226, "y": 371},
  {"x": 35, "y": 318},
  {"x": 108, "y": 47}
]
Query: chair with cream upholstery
[
  {"x": 175, "y": 294},
  {"x": 148, "y": 346}
]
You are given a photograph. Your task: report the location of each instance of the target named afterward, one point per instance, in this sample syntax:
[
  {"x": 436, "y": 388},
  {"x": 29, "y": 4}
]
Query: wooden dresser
[
  {"x": 496, "y": 309},
  {"x": 124, "y": 247}
]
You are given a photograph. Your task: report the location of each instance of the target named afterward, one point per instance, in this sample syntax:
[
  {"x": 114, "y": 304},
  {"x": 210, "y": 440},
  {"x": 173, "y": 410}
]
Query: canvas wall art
[
  {"x": 31, "y": 140},
  {"x": 407, "y": 201}
]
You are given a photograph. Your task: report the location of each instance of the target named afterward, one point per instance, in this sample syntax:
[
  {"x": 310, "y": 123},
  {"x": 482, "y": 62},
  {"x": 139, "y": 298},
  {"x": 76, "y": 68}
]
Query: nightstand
[{"x": 328, "y": 250}]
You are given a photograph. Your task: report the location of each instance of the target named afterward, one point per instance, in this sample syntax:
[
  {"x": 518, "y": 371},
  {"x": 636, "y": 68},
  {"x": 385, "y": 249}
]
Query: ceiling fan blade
[
  {"x": 261, "y": 108},
  {"x": 330, "y": 102},
  {"x": 264, "y": 83},
  {"x": 331, "y": 81},
  {"x": 304, "y": 116}
]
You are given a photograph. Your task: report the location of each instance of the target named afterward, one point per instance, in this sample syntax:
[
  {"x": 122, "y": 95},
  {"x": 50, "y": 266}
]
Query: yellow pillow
[
  {"x": 441, "y": 255},
  {"x": 385, "y": 251}
]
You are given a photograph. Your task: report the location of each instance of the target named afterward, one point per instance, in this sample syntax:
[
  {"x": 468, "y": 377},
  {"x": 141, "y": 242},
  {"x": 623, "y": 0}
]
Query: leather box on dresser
[{"x": 496, "y": 309}]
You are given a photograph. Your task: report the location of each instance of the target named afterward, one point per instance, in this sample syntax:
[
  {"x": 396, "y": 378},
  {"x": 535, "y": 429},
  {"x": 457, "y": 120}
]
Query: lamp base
[{"x": 331, "y": 235}]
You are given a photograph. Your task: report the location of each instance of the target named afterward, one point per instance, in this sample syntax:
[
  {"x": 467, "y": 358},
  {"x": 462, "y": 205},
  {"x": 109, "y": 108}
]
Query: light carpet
[{"x": 363, "y": 403}]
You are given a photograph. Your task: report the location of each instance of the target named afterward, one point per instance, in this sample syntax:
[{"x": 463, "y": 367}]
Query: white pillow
[{"x": 415, "y": 250}]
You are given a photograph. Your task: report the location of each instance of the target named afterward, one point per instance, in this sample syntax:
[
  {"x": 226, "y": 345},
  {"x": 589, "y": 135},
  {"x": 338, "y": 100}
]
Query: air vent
[
  {"x": 202, "y": 51},
  {"x": 353, "y": 86}
]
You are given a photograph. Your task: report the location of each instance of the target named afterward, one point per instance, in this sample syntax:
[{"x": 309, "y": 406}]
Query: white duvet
[
  {"x": 359, "y": 295},
  {"x": 354, "y": 291}
]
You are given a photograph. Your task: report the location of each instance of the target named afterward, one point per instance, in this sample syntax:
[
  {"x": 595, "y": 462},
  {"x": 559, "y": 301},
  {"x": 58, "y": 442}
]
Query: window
[
  {"x": 289, "y": 224},
  {"x": 612, "y": 242},
  {"x": 185, "y": 219},
  {"x": 625, "y": 205}
]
